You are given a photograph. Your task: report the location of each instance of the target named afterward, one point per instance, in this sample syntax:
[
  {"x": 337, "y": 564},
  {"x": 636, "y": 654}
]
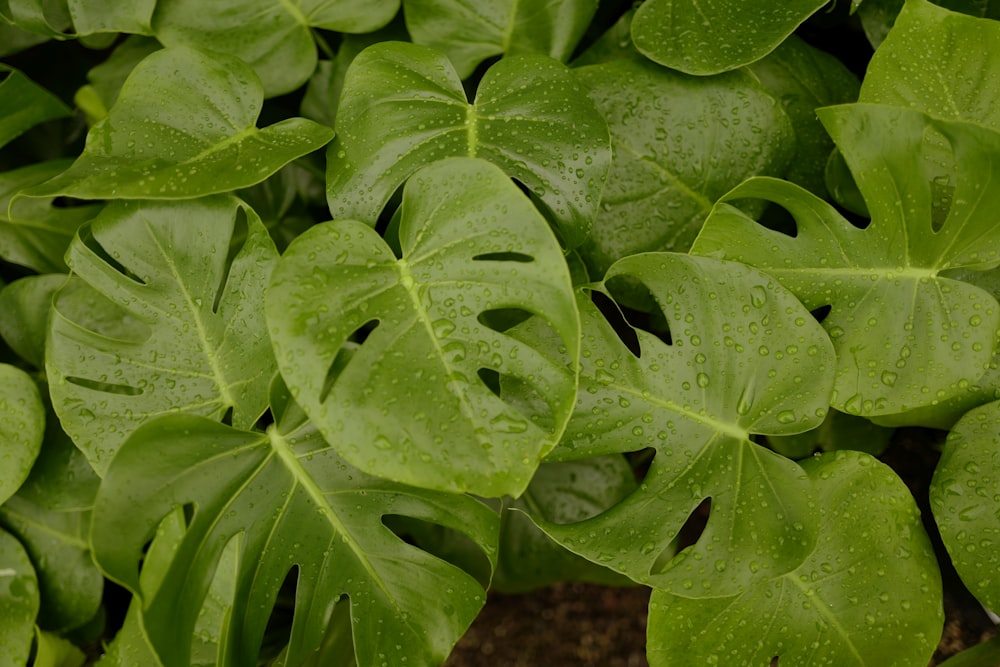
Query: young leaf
[
  {"x": 289, "y": 504},
  {"x": 412, "y": 403},
  {"x": 965, "y": 498},
  {"x": 470, "y": 31},
  {"x": 906, "y": 336},
  {"x": 18, "y": 602},
  {"x": 22, "y": 425},
  {"x": 403, "y": 106},
  {"x": 275, "y": 38},
  {"x": 183, "y": 126},
  {"x": 670, "y": 134},
  {"x": 54, "y": 651},
  {"x": 745, "y": 358},
  {"x": 708, "y": 36},
  {"x": 24, "y": 104},
  {"x": 169, "y": 318},
  {"x": 869, "y": 593}
]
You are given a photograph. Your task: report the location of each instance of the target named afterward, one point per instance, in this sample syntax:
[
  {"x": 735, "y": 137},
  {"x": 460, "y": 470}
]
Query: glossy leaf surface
[
  {"x": 18, "y": 601},
  {"x": 471, "y": 243},
  {"x": 745, "y": 358},
  {"x": 168, "y": 316},
  {"x": 403, "y": 106},
  {"x": 869, "y": 593},
  {"x": 184, "y": 126},
  {"x": 905, "y": 335},
  {"x": 94, "y": 16},
  {"x": 22, "y": 426}
]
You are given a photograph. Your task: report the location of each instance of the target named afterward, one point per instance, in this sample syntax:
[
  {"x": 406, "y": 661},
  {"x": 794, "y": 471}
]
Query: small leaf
[
  {"x": 287, "y": 503},
  {"x": 403, "y": 106},
  {"x": 96, "y": 16},
  {"x": 411, "y": 403},
  {"x": 500, "y": 27},
  {"x": 745, "y": 358},
  {"x": 18, "y": 602},
  {"x": 24, "y": 104},
  {"x": 274, "y": 38},
  {"x": 22, "y": 425},
  {"x": 671, "y": 135},
  {"x": 183, "y": 126},
  {"x": 167, "y": 316},
  {"x": 26, "y": 303},
  {"x": 54, "y": 651},
  {"x": 965, "y": 498},
  {"x": 868, "y": 594},
  {"x": 712, "y": 36},
  {"x": 905, "y": 334}
]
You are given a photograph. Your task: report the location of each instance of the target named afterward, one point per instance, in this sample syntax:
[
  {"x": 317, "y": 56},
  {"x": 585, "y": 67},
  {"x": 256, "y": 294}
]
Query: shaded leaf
[
  {"x": 183, "y": 126},
  {"x": 18, "y": 602},
  {"x": 869, "y": 593},
  {"x": 54, "y": 651},
  {"x": 22, "y": 425},
  {"x": 838, "y": 431},
  {"x": 169, "y": 318},
  {"x": 287, "y": 502},
  {"x": 26, "y": 303},
  {"x": 745, "y": 358},
  {"x": 403, "y": 106},
  {"x": 274, "y": 38},
  {"x": 906, "y": 336},
  {"x": 47, "y": 18},
  {"x": 24, "y": 104},
  {"x": 879, "y": 16},
  {"x": 470, "y": 31},
  {"x": 94, "y": 16},
  {"x": 713, "y": 36},
  {"x": 105, "y": 80},
  {"x": 471, "y": 243},
  {"x": 965, "y": 499}
]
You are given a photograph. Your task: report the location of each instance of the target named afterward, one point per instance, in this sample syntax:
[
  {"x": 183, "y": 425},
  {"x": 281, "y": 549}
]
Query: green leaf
[
  {"x": 54, "y": 651},
  {"x": 275, "y": 38},
  {"x": 33, "y": 232},
  {"x": 878, "y": 16},
  {"x": 288, "y": 503},
  {"x": 471, "y": 243},
  {"x": 105, "y": 80},
  {"x": 838, "y": 431},
  {"x": 805, "y": 78},
  {"x": 48, "y": 18},
  {"x": 906, "y": 336},
  {"x": 745, "y": 358},
  {"x": 965, "y": 499},
  {"x": 26, "y": 303},
  {"x": 22, "y": 425},
  {"x": 712, "y": 36},
  {"x": 183, "y": 127},
  {"x": 614, "y": 44},
  {"x": 944, "y": 64},
  {"x": 13, "y": 39},
  {"x": 470, "y": 31},
  {"x": 96, "y": 16},
  {"x": 671, "y": 134},
  {"x": 868, "y": 594},
  {"x": 403, "y": 106},
  {"x": 170, "y": 317},
  {"x": 24, "y": 104},
  {"x": 18, "y": 602},
  {"x": 70, "y": 584}
]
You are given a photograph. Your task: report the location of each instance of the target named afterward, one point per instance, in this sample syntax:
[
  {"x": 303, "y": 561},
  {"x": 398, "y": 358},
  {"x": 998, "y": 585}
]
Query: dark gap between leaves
[
  {"x": 502, "y": 319},
  {"x": 237, "y": 241},
  {"x": 92, "y": 244},
  {"x": 613, "y": 314},
  {"x": 491, "y": 379},
  {"x": 447, "y": 544},
  {"x": 821, "y": 313},
  {"x": 345, "y": 355}
]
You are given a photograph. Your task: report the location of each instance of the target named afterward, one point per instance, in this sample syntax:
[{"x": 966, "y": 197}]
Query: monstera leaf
[
  {"x": 18, "y": 601},
  {"x": 184, "y": 125},
  {"x": 403, "y": 106},
  {"x": 416, "y": 400},
  {"x": 22, "y": 425},
  {"x": 965, "y": 498},
  {"x": 283, "y": 502},
  {"x": 167, "y": 316},
  {"x": 906, "y": 336},
  {"x": 744, "y": 358},
  {"x": 500, "y": 27},
  {"x": 94, "y": 16},
  {"x": 868, "y": 594},
  {"x": 713, "y": 36},
  {"x": 275, "y": 38}
]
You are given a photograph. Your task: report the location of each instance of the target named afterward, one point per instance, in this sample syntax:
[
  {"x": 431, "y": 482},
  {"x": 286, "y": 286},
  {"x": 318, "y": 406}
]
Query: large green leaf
[
  {"x": 275, "y": 38},
  {"x": 170, "y": 317},
  {"x": 470, "y": 31},
  {"x": 745, "y": 358},
  {"x": 130, "y": 16},
  {"x": 713, "y": 36},
  {"x": 105, "y": 80},
  {"x": 906, "y": 336},
  {"x": 965, "y": 498},
  {"x": 939, "y": 62},
  {"x": 18, "y": 602},
  {"x": 22, "y": 425},
  {"x": 673, "y": 137},
  {"x": 285, "y": 502},
  {"x": 879, "y": 16},
  {"x": 403, "y": 106},
  {"x": 868, "y": 594},
  {"x": 24, "y": 104},
  {"x": 413, "y": 403},
  {"x": 183, "y": 126}
]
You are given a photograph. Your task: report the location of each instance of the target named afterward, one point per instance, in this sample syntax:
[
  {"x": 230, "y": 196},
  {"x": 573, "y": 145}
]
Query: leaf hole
[
  {"x": 447, "y": 544},
  {"x": 774, "y": 661},
  {"x": 821, "y": 313},
  {"x": 687, "y": 536},
  {"x": 91, "y": 243},
  {"x": 227, "y": 416},
  {"x": 613, "y": 314},
  {"x": 238, "y": 239},
  {"x": 105, "y": 387},
  {"x": 640, "y": 307},
  {"x": 509, "y": 256},
  {"x": 773, "y": 217},
  {"x": 502, "y": 319},
  {"x": 491, "y": 379},
  {"x": 279, "y": 623},
  {"x": 345, "y": 355}
]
